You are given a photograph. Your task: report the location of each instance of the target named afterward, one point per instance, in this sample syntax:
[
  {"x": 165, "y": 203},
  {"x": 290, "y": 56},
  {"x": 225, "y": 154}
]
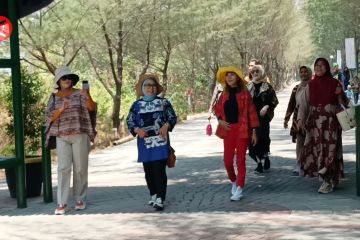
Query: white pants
[{"x": 72, "y": 150}]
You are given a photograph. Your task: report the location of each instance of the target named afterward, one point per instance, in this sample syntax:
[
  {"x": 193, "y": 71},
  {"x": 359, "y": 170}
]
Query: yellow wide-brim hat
[
  {"x": 221, "y": 74},
  {"x": 142, "y": 78}
]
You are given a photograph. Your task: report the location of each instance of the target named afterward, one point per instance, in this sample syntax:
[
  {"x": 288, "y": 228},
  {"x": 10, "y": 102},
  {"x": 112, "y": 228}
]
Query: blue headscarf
[{"x": 146, "y": 97}]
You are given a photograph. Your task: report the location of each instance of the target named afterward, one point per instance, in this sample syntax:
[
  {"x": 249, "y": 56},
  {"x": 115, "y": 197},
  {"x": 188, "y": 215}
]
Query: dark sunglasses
[{"x": 65, "y": 77}]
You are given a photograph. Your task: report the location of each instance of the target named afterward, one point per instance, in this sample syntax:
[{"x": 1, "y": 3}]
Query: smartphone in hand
[{"x": 85, "y": 84}]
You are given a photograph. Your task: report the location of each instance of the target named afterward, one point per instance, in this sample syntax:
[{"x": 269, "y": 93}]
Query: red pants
[{"x": 232, "y": 142}]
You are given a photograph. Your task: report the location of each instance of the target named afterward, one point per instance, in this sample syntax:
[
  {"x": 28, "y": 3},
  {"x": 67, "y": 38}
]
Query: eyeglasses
[{"x": 150, "y": 85}]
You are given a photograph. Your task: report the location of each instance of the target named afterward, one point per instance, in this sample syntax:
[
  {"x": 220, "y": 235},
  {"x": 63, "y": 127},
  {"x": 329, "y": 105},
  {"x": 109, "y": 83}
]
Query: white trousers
[{"x": 72, "y": 150}]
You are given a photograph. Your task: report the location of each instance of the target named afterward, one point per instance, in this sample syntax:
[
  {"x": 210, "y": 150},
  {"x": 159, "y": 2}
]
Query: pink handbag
[{"x": 209, "y": 129}]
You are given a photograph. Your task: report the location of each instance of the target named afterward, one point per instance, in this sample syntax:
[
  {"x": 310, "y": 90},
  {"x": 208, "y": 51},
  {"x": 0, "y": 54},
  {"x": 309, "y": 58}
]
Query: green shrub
[{"x": 33, "y": 110}]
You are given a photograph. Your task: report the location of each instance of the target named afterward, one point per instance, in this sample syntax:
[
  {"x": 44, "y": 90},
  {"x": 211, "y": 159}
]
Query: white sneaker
[
  {"x": 233, "y": 188},
  {"x": 80, "y": 205},
  {"x": 159, "y": 204},
  {"x": 325, "y": 188},
  {"x": 152, "y": 200},
  {"x": 237, "y": 195},
  {"x": 61, "y": 209}
]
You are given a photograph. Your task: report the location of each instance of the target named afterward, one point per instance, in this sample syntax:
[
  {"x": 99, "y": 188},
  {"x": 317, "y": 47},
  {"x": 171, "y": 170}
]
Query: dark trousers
[
  {"x": 262, "y": 148},
  {"x": 156, "y": 179}
]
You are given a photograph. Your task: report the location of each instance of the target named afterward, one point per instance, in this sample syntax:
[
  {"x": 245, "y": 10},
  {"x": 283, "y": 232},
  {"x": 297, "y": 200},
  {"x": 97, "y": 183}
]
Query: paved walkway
[{"x": 276, "y": 205}]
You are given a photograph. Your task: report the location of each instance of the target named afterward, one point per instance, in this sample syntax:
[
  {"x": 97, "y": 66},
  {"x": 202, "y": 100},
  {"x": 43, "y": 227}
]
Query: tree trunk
[{"x": 118, "y": 81}]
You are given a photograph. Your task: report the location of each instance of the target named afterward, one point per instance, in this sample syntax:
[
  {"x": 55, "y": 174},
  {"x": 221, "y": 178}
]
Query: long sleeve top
[
  {"x": 247, "y": 116},
  {"x": 263, "y": 94},
  {"x": 150, "y": 116},
  {"x": 74, "y": 119}
]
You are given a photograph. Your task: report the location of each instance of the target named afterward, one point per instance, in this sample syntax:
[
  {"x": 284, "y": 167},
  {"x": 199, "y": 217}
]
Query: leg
[
  {"x": 149, "y": 176},
  {"x": 160, "y": 178},
  {"x": 300, "y": 141},
  {"x": 229, "y": 148},
  {"x": 241, "y": 146},
  {"x": 81, "y": 149},
  {"x": 64, "y": 152}
]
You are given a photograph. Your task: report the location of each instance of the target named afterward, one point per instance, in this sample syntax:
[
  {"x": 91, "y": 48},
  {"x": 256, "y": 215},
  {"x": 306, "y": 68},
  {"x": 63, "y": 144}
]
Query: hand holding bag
[
  {"x": 346, "y": 118},
  {"x": 209, "y": 129}
]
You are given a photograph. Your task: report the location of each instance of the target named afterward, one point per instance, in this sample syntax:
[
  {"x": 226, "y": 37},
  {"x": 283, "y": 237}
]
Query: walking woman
[
  {"x": 265, "y": 101},
  {"x": 322, "y": 153},
  {"x": 150, "y": 119},
  {"x": 295, "y": 101},
  {"x": 237, "y": 118},
  {"x": 69, "y": 120}
]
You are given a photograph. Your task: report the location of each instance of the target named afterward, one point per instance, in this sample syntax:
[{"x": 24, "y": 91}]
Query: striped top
[{"x": 75, "y": 119}]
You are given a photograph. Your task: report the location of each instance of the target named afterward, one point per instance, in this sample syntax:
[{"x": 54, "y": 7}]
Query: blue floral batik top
[{"x": 151, "y": 116}]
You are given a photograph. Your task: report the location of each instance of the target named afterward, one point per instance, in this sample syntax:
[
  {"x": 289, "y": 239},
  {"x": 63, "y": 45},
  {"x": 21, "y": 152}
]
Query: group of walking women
[
  {"x": 314, "y": 103},
  {"x": 244, "y": 110},
  {"x": 245, "y": 113}
]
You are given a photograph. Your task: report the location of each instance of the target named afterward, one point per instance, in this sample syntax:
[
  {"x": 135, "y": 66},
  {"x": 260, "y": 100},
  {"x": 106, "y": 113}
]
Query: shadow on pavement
[{"x": 201, "y": 185}]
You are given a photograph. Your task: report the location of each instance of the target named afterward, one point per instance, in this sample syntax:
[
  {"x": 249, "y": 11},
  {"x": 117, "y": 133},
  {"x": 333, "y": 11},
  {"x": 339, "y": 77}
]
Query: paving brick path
[{"x": 276, "y": 205}]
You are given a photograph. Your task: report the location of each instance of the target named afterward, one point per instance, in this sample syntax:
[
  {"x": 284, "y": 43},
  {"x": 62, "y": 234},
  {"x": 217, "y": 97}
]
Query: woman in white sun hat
[{"x": 68, "y": 118}]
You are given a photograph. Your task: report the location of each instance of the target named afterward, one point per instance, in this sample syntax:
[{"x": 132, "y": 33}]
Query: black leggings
[
  {"x": 156, "y": 179},
  {"x": 263, "y": 145}
]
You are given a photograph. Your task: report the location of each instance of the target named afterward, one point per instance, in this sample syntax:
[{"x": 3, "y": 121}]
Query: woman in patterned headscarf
[
  {"x": 322, "y": 153},
  {"x": 297, "y": 93}
]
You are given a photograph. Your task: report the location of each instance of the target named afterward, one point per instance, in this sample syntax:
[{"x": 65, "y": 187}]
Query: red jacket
[{"x": 248, "y": 118}]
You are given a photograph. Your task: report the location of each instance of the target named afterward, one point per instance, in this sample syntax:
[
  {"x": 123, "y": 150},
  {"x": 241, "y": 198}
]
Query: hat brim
[
  {"x": 142, "y": 78},
  {"x": 221, "y": 74}
]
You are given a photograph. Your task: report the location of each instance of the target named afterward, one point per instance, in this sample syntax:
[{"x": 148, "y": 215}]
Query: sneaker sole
[
  {"x": 79, "y": 208},
  {"x": 158, "y": 208},
  {"x": 60, "y": 213},
  {"x": 236, "y": 199}
]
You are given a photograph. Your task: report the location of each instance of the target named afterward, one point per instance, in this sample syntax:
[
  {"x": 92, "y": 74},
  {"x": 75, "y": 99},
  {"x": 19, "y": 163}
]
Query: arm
[
  {"x": 170, "y": 119},
  {"x": 131, "y": 121},
  {"x": 52, "y": 113},
  {"x": 303, "y": 109},
  {"x": 341, "y": 96},
  {"x": 291, "y": 107},
  {"x": 90, "y": 104},
  {"x": 273, "y": 101},
  {"x": 253, "y": 119},
  {"x": 170, "y": 115}
]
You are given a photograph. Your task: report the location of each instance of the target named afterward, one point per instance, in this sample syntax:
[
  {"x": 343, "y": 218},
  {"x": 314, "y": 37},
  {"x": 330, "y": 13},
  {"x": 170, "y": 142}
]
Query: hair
[
  {"x": 257, "y": 61},
  {"x": 240, "y": 84}
]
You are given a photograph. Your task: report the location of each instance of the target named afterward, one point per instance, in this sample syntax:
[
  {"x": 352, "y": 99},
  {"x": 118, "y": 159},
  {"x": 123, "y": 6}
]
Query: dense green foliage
[
  {"x": 331, "y": 22},
  {"x": 111, "y": 42},
  {"x": 33, "y": 108}
]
